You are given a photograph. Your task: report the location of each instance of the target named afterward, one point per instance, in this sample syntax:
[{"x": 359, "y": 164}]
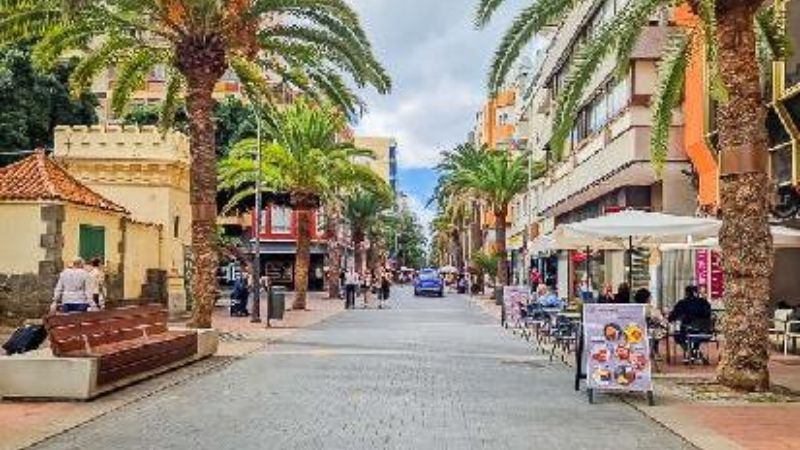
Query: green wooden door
[{"x": 92, "y": 242}]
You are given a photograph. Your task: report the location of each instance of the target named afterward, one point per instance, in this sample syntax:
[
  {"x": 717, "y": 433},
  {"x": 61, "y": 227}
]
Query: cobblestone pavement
[{"x": 425, "y": 374}]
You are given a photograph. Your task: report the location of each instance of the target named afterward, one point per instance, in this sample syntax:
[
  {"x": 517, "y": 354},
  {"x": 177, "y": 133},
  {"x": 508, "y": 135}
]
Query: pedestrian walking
[
  {"x": 385, "y": 288},
  {"x": 239, "y": 297},
  {"x": 351, "y": 283},
  {"x": 71, "y": 292},
  {"x": 97, "y": 285},
  {"x": 366, "y": 286}
]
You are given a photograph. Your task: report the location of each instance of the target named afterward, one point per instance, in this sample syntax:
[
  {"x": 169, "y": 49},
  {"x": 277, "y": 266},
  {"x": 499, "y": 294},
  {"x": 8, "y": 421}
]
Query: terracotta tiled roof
[{"x": 38, "y": 177}]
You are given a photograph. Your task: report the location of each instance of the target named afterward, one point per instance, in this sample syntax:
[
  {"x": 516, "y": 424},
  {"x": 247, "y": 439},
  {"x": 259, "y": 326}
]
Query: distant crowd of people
[{"x": 354, "y": 283}]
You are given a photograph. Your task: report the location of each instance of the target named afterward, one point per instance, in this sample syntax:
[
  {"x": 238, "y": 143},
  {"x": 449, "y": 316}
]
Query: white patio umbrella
[
  {"x": 448, "y": 269},
  {"x": 644, "y": 228},
  {"x": 641, "y": 228},
  {"x": 782, "y": 237}
]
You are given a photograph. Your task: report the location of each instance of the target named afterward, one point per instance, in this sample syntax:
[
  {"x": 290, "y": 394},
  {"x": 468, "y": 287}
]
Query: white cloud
[
  {"x": 438, "y": 63},
  {"x": 424, "y": 214}
]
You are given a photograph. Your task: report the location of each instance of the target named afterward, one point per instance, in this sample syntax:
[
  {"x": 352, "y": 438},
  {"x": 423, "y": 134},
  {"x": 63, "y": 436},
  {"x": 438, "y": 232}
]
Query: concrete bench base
[{"x": 41, "y": 375}]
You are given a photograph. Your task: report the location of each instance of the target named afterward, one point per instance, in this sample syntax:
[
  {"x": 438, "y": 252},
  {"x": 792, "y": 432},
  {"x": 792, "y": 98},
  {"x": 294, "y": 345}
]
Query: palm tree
[
  {"x": 495, "y": 177},
  {"x": 364, "y": 210},
  {"x": 728, "y": 32},
  {"x": 460, "y": 206},
  {"x": 306, "y": 43},
  {"x": 306, "y": 161}
]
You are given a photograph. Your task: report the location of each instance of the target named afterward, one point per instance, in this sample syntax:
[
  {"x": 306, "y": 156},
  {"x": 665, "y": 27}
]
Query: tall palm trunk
[
  {"x": 358, "y": 251},
  {"x": 500, "y": 242},
  {"x": 302, "y": 258},
  {"x": 334, "y": 253},
  {"x": 476, "y": 243},
  {"x": 745, "y": 235},
  {"x": 202, "y": 62}
]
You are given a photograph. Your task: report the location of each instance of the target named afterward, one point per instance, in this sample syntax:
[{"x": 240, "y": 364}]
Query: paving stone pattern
[{"x": 427, "y": 373}]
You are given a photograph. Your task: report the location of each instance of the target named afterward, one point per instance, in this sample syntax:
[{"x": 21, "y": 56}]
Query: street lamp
[{"x": 256, "y": 316}]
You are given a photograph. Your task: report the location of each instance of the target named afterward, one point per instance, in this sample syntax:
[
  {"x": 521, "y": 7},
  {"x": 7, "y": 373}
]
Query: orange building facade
[{"x": 694, "y": 109}]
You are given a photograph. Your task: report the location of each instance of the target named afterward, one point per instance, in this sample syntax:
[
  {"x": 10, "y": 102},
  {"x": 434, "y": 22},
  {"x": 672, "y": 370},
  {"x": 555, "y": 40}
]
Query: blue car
[{"x": 429, "y": 282}]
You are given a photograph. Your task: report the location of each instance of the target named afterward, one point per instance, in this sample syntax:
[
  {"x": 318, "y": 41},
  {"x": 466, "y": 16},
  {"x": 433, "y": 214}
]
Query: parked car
[{"x": 429, "y": 282}]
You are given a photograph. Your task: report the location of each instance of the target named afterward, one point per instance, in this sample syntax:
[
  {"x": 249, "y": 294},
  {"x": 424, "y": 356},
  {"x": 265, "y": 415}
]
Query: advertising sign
[
  {"x": 618, "y": 347},
  {"x": 514, "y": 300},
  {"x": 708, "y": 271}
]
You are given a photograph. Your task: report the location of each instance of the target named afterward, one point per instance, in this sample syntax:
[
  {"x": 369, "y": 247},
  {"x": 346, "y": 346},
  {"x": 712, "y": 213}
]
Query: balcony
[{"x": 617, "y": 155}]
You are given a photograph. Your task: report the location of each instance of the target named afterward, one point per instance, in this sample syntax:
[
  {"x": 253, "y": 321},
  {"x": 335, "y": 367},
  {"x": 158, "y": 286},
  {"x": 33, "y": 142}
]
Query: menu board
[
  {"x": 515, "y": 298},
  {"x": 618, "y": 347}
]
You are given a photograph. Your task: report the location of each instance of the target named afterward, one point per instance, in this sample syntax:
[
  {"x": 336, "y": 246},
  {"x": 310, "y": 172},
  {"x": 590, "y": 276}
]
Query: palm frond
[
  {"x": 95, "y": 62},
  {"x": 169, "y": 107},
  {"x": 707, "y": 11},
  {"x": 772, "y": 33},
  {"x": 133, "y": 72},
  {"x": 529, "y": 22},
  {"x": 672, "y": 74},
  {"x": 485, "y": 11}
]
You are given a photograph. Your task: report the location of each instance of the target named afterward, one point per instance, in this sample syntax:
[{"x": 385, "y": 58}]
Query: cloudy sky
[{"x": 438, "y": 63}]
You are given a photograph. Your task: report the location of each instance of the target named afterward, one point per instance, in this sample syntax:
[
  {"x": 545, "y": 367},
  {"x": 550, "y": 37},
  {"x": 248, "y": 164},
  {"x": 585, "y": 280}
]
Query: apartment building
[
  {"x": 152, "y": 91},
  {"x": 606, "y": 164}
]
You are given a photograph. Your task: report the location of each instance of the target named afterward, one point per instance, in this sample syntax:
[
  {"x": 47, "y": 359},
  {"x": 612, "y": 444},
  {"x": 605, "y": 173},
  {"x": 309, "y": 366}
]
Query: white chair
[
  {"x": 789, "y": 334},
  {"x": 778, "y": 329}
]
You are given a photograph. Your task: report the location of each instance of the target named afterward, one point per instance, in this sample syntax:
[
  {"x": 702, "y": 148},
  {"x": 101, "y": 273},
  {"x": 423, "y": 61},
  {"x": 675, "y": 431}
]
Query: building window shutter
[{"x": 92, "y": 242}]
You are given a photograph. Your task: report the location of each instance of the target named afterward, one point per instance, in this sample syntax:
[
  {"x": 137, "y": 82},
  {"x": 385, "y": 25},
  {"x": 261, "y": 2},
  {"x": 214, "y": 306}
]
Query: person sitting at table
[
  {"x": 606, "y": 295},
  {"x": 623, "y": 294},
  {"x": 540, "y": 292},
  {"x": 694, "y": 314},
  {"x": 550, "y": 299}
]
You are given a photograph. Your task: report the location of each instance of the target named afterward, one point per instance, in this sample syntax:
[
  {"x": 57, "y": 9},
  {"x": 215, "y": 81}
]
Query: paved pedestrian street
[{"x": 428, "y": 373}]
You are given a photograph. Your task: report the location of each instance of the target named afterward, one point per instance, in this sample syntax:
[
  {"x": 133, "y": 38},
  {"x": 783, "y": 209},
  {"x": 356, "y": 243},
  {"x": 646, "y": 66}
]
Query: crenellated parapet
[{"x": 120, "y": 142}]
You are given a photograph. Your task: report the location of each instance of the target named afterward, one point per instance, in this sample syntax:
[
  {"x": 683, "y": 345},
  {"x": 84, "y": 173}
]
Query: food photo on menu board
[{"x": 618, "y": 346}]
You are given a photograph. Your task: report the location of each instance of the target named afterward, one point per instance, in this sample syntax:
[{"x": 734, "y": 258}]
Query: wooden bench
[{"x": 125, "y": 341}]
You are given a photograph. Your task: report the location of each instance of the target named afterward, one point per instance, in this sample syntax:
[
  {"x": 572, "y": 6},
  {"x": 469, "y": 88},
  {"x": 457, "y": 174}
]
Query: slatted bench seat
[
  {"x": 102, "y": 350},
  {"x": 126, "y": 341}
]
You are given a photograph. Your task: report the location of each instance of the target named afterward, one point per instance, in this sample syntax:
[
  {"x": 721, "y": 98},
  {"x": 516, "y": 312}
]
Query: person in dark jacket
[
  {"x": 694, "y": 314},
  {"x": 623, "y": 294},
  {"x": 239, "y": 296},
  {"x": 606, "y": 295}
]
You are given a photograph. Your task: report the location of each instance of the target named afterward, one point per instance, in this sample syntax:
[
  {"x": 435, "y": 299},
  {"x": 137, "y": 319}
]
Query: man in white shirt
[
  {"x": 351, "y": 282},
  {"x": 71, "y": 291}
]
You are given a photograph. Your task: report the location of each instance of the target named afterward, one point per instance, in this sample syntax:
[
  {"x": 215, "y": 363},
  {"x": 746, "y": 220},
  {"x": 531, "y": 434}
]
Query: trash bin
[{"x": 277, "y": 302}]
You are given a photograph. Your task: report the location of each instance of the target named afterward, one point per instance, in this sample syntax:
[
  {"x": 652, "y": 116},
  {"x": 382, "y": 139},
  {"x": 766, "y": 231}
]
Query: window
[
  {"x": 281, "y": 222},
  {"x": 176, "y": 227},
  {"x": 319, "y": 218},
  {"x": 92, "y": 242}
]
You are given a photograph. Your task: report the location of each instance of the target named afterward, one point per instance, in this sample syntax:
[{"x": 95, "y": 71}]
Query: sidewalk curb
[{"x": 698, "y": 436}]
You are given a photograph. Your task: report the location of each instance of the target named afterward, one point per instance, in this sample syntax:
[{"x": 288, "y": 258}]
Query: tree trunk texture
[
  {"x": 500, "y": 239},
  {"x": 302, "y": 259},
  {"x": 334, "y": 255},
  {"x": 201, "y": 60},
  {"x": 745, "y": 237},
  {"x": 358, "y": 251},
  {"x": 476, "y": 242}
]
